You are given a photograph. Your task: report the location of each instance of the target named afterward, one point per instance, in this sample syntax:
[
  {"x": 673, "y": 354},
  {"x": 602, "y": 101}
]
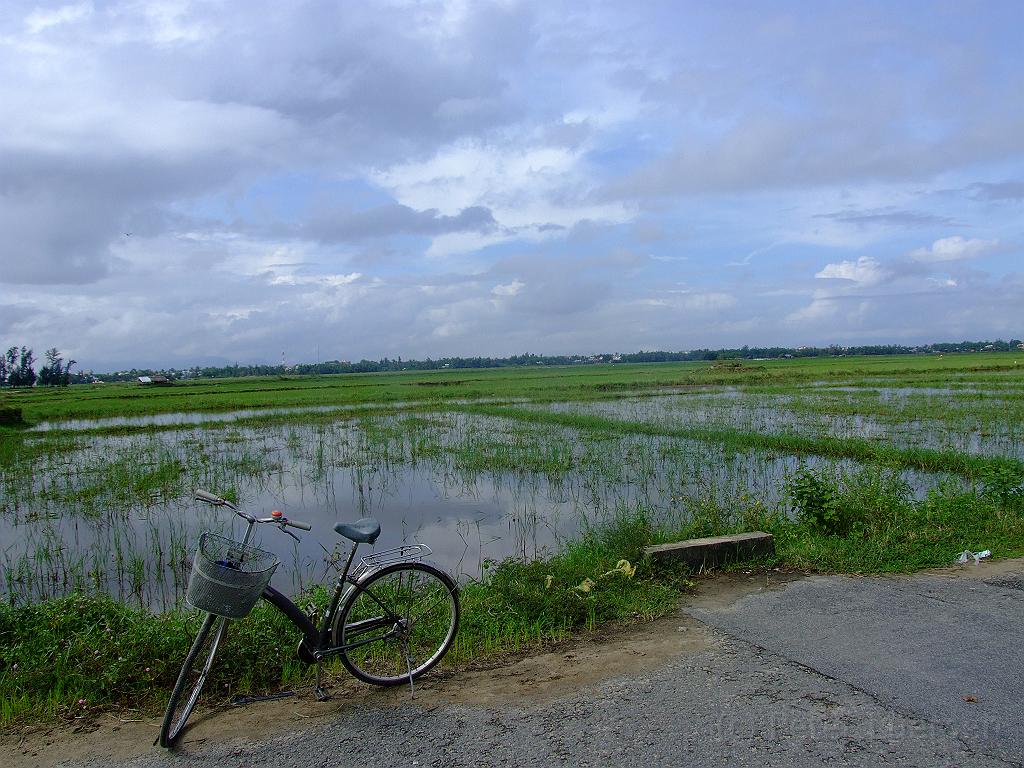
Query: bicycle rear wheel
[
  {"x": 404, "y": 618},
  {"x": 192, "y": 677}
]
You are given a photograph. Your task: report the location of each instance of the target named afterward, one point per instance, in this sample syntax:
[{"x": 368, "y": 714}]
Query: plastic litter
[
  {"x": 967, "y": 555},
  {"x": 586, "y": 585},
  {"x": 623, "y": 567}
]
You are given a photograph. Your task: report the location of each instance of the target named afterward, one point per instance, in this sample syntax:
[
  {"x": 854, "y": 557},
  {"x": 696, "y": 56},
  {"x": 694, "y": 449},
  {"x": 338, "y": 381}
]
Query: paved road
[
  {"x": 920, "y": 646},
  {"x": 829, "y": 670}
]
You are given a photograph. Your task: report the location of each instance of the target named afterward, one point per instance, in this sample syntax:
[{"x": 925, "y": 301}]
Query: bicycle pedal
[{"x": 322, "y": 694}]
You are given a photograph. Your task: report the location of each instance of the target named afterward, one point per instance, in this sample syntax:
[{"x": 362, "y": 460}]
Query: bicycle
[{"x": 390, "y": 619}]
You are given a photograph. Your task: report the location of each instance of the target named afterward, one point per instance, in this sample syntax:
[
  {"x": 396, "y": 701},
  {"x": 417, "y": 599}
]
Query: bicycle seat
[{"x": 363, "y": 531}]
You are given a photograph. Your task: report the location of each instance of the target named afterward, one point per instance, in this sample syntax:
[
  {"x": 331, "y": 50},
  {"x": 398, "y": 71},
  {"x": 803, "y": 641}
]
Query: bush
[
  {"x": 1003, "y": 484},
  {"x": 815, "y": 497}
]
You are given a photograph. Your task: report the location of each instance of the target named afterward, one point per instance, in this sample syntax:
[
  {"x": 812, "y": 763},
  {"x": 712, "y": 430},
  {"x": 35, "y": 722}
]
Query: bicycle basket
[{"x": 228, "y": 577}]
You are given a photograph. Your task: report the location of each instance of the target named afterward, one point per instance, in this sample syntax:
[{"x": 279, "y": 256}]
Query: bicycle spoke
[
  {"x": 425, "y": 608},
  {"x": 192, "y": 678}
]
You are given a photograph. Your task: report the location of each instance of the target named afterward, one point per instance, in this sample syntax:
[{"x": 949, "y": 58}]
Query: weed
[
  {"x": 1004, "y": 485},
  {"x": 816, "y": 500}
]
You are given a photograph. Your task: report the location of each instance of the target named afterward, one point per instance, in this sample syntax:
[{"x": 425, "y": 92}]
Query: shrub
[
  {"x": 1003, "y": 484},
  {"x": 815, "y": 497}
]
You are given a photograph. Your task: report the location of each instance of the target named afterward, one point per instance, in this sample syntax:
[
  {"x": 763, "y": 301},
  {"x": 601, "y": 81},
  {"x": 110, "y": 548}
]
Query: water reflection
[
  {"x": 114, "y": 515},
  {"x": 903, "y": 417},
  {"x": 185, "y": 419},
  {"x": 142, "y": 556}
]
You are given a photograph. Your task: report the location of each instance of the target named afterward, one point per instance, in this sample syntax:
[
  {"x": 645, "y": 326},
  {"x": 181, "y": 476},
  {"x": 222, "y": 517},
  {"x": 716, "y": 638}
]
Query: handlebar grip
[
  {"x": 300, "y": 525},
  {"x": 208, "y": 497}
]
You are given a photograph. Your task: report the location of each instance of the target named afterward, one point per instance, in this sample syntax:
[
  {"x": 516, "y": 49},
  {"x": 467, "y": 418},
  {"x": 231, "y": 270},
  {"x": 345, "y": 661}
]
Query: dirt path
[{"x": 567, "y": 666}]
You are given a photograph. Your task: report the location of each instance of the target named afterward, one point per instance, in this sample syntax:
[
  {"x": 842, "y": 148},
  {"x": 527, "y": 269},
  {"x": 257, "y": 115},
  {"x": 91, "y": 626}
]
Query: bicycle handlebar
[{"x": 277, "y": 517}]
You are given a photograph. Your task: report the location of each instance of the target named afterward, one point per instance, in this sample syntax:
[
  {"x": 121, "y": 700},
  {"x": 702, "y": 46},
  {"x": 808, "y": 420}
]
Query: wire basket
[{"x": 228, "y": 577}]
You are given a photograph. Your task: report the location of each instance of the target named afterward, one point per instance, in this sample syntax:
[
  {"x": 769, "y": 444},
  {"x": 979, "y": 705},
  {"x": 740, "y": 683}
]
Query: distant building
[{"x": 156, "y": 380}]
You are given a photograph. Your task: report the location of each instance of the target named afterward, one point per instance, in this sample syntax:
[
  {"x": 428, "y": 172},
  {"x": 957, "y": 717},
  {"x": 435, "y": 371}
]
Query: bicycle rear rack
[{"x": 400, "y": 554}]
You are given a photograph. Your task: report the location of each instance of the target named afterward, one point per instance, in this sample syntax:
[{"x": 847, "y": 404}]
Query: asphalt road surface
[{"x": 915, "y": 671}]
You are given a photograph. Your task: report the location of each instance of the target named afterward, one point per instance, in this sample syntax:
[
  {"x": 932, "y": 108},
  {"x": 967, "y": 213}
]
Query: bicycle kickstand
[
  {"x": 319, "y": 691},
  {"x": 408, "y": 665}
]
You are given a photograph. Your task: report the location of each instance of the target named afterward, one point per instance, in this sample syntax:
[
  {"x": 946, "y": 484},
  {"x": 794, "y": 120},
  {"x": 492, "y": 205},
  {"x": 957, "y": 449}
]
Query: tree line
[
  {"x": 17, "y": 368},
  {"x": 528, "y": 359}
]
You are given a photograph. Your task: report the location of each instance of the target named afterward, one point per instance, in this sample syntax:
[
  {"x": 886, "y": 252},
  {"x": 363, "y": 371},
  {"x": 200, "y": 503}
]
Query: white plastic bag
[{"x": 966, "y": 556}]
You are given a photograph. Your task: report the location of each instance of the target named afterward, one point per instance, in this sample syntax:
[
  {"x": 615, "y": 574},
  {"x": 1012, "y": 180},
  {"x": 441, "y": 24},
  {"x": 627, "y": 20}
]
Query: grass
[
  {"x": 426, "y": 387},
  {"x": 879, "y": 527}
]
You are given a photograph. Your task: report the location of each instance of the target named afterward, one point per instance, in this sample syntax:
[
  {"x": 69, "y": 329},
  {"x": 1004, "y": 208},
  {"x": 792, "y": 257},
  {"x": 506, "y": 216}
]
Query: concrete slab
[{"x": 714, "y": 551}]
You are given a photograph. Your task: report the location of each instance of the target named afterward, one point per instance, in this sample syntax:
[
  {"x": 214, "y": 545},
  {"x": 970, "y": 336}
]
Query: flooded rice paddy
[
  {"x": 112, "y": 512},
  {"x": 989, "y": 423}
]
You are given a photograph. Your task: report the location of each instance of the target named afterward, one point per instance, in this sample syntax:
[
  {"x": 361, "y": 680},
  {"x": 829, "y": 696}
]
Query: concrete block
[{"x": 714, "y": 551}]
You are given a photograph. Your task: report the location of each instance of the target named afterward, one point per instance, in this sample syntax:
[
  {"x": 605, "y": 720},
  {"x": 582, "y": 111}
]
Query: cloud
[
  {"x": 508, "y": 289},
  {"x": 72, "y": 186},
  {"x": 532, "y": 190},
  {"x": 709, "y": 301},
  {"x": 888, "y": 217},
  {"x": 823, "y": 307},
  {"x": 865, "y": 271},
  {"x": 487, "y": 178},
  {"x": 394, "y": 219},
  {"x": 954, "y": 248},
  {"x": 998, "y": 191},
  {"x": 41, "y": 19},
  {"x": 806, "y": 120}
]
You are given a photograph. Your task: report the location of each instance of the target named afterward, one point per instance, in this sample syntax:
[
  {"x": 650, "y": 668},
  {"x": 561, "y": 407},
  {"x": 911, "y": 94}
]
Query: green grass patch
[
  {"x": 869, "y": 522},
  {"x": 539, "y": 384},
  {"x": 696, "y": 479}
]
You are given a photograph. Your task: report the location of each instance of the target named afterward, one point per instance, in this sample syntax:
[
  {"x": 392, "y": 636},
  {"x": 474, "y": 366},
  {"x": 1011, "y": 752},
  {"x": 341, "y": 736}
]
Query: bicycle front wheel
[
  {"x": 400, "y": 622},
  {"x": 192, "y": 677}
]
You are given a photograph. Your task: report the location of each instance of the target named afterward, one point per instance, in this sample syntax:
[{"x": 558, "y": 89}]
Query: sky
[{"x": 193, "y": 183}]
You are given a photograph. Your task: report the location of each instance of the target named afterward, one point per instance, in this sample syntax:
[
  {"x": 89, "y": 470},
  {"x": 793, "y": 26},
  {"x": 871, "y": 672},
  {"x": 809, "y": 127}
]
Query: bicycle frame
[{"x": 318, "y": 638}]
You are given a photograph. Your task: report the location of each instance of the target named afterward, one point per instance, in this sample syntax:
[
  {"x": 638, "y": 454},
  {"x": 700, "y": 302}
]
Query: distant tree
[
  {"x": 10, "y": 365},
  {"x": 56, "y": 373},
  {"x": 23, "y": 374},
  {"x": 49, "y": 374}
]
